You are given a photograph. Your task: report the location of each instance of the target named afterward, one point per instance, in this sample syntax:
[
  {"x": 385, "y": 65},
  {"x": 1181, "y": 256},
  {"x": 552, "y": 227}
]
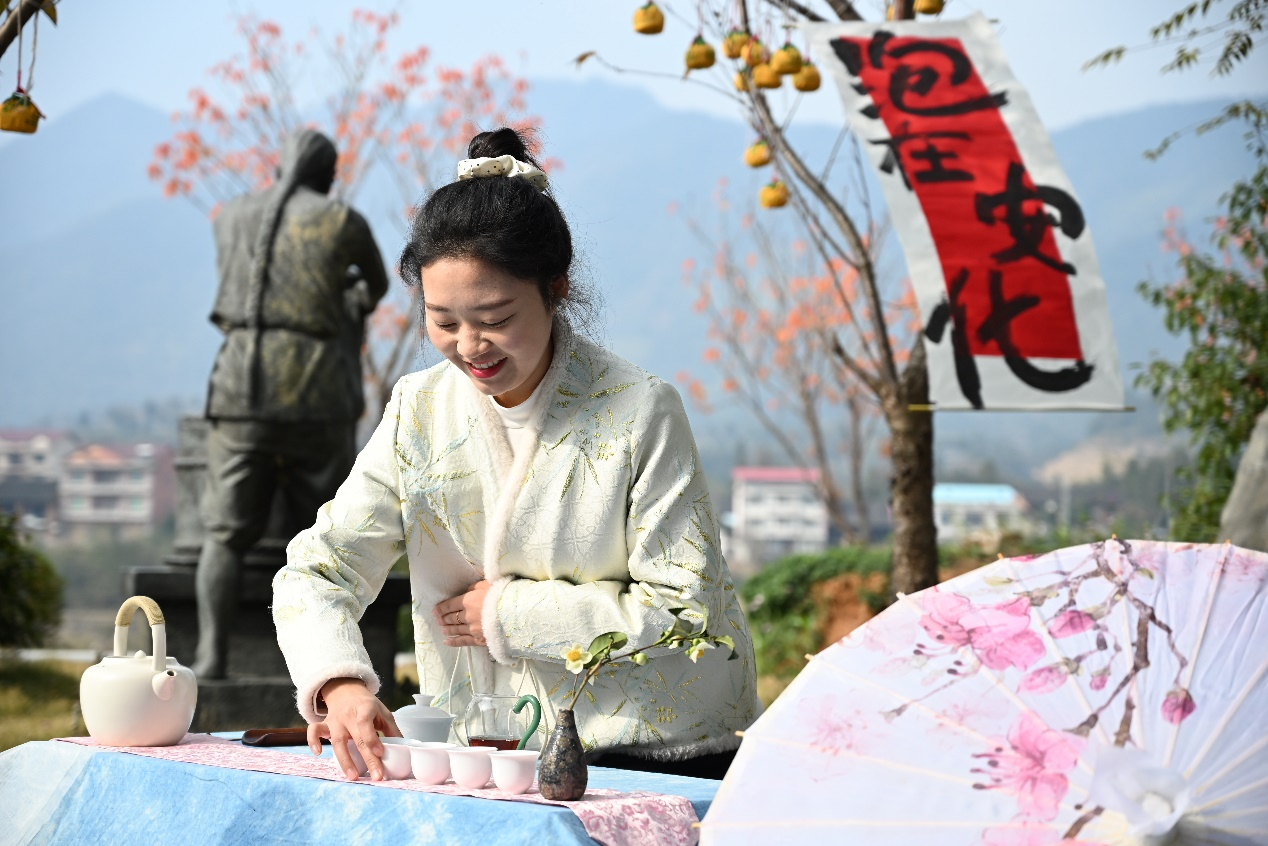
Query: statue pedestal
[
  {"x": 258, "y": 692},
  {"x": 245, "y": 703}
]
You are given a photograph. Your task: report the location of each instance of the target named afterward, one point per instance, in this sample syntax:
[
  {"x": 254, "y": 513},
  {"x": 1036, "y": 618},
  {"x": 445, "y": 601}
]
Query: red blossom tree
[
  {"x": 780, "y": 315},
  {"x": 395, "y": 117}
]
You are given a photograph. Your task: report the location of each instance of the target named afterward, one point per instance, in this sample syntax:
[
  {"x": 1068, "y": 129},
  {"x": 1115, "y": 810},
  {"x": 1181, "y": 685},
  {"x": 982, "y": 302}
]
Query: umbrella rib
[
  {"x": 1207, "y": 838},
  {"x": 1236, "y": 762},
  {"x": 1197, "y": 646},
  {"x": 779, "y": 741},
  {"x": 1263, "y": 782},
  {"x": 999, "y": 685},
  {"x": 1052, "y": 645},
  {"x": 1224, "y": 723},
  {"x": 1226, "y": 815}
]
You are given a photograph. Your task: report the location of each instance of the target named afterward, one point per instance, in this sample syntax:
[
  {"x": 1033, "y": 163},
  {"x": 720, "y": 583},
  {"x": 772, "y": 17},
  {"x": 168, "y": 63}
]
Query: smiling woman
[
  {"x": 544, "y": 492},
  {"x": 490, "y": 324}
]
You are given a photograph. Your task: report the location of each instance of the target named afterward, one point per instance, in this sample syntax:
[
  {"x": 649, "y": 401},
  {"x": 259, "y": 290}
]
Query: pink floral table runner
[{"x": 611, "y": 817}]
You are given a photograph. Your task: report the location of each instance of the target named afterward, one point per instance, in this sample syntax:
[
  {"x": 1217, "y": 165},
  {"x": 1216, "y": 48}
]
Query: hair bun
[{"x": 502, "y": 142}]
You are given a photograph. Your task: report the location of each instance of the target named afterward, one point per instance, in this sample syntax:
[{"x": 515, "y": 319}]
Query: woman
[{"x": 544, "y": 492}]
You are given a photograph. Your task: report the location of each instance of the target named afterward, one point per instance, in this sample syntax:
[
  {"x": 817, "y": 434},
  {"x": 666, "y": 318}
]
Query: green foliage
[
  {"x": 1254, "y": 115},
  {"x": 1219, "y": 388},
  {"x": 1237, "y": 29},
  {"x": 1173, "y": 24},
  {"x": 779, "y": 603},
  {"x": 30, "y": 590},
  {"x": 1190, "y": 32}
]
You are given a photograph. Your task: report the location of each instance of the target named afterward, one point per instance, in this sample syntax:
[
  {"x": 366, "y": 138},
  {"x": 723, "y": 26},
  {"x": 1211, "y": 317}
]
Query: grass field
[{"x": 37, "y": 700}]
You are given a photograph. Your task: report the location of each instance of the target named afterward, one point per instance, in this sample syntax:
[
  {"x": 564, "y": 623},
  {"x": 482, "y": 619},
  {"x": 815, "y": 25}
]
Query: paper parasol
[{"x": 1110, "y": 693}]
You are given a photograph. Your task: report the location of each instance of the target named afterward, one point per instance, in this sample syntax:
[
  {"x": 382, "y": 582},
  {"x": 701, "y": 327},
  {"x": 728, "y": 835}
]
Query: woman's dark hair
[{"x": 503, "y": 221}]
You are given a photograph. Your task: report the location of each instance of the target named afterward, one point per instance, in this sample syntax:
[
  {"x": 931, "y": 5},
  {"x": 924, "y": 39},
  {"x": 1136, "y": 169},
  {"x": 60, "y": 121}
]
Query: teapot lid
[{"x": 422, "y": 708}]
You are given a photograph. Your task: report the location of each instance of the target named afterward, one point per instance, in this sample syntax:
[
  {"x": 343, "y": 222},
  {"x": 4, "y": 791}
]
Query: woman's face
[{"x": 493, "y": 326}]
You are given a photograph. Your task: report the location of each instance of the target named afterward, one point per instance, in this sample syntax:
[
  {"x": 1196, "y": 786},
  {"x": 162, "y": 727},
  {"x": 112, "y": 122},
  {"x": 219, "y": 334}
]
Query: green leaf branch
[{"x": 586, "y": 663}]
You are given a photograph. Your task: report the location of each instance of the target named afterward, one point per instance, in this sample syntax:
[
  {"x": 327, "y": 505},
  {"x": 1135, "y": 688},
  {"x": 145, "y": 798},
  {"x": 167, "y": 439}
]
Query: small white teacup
[
  {"x": 470, "y": 766},
  {"x": 396, "y": 757},
  {"x": 430, "y": 761},
  {"x": 514, "y": 769}
]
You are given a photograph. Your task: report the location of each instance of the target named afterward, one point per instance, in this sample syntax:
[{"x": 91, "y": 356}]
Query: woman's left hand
[{"x": 461, "y": 617}]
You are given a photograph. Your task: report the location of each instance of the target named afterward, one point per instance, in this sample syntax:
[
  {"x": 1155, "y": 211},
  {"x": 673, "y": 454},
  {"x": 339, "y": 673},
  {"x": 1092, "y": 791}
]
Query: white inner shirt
[{"x": 516, "y": 423}]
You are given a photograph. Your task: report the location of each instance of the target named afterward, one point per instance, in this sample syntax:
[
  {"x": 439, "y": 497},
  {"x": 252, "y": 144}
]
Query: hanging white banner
[{"x": 1006, "y": 279}]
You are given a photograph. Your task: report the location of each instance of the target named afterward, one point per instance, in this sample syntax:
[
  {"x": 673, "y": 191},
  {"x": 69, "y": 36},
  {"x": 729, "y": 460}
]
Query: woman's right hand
[{"x": 353, "y": 713}]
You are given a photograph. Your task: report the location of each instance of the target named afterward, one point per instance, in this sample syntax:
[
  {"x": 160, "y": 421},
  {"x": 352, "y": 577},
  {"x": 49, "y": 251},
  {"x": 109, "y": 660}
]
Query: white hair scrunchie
[{"x": 507, "y": 166}]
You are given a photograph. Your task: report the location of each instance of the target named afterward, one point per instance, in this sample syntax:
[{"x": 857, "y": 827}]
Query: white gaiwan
[
  {"x": 423, "y": 721},
  {"x": 138, "y": 700}
]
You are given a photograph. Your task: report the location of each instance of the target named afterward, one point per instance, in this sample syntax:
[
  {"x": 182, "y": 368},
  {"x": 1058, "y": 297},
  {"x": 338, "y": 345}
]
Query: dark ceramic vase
[{"x": 562, "y": 773}]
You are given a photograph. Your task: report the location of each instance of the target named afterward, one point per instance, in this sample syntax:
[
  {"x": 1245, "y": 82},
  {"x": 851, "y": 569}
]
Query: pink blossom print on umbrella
[
  {"x": 1177, "y": 705},
  {"x": 1047, "y": 679},
  {"x": 999, "y": 635},
  {"x": 1033, "y": 768},
  {"x": 833, "y": 729},
  {"x": 1069, "y": 623}
]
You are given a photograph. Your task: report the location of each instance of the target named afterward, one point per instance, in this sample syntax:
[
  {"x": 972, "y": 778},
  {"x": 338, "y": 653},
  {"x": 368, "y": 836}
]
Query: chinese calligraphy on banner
[{"x": 1006, "y": 279}]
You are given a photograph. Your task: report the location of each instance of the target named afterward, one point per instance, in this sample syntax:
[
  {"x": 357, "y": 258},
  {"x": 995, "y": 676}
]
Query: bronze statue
[{"x": 298, "y": 274}]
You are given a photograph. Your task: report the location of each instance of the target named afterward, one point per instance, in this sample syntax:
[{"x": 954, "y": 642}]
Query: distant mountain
[
  {"x": 76, "y": 167},
  {"x": 111, "y": 310},
  {"x": 105, "y": 287}
]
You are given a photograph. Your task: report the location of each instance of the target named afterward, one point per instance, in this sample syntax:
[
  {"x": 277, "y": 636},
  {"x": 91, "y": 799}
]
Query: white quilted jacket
[{"x": 598, "y": 529}]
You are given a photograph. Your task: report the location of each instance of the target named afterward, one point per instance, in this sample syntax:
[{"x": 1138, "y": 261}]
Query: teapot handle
[
  {"x": 529, "y": 699},
  {"x": 158, "y": 628}
]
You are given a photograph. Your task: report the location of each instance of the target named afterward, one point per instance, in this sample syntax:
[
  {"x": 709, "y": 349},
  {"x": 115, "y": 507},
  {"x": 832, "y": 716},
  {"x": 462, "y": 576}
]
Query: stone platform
[{"x": 245, "y": 703}]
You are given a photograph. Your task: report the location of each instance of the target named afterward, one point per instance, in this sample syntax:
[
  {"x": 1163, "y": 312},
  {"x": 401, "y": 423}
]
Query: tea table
[{"x": 53, "y": 792}]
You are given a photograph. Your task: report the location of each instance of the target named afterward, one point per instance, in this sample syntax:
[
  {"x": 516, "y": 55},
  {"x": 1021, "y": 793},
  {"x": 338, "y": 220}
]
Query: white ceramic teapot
[{"x": 138, "y": 700}]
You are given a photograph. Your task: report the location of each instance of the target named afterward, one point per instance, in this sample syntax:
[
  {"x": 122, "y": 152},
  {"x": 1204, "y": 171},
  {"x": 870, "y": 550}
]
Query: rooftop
[
  {"x": 115, "y": 454},
  {"x": 974, "y": 494},
  {"x": 775, "y": 474}
]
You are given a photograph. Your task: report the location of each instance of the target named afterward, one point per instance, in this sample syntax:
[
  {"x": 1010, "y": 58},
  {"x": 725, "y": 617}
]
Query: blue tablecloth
[{"x": 54, "y": 792}]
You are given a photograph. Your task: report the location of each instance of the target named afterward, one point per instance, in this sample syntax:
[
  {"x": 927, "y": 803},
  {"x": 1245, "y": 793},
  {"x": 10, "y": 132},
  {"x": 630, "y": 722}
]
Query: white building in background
[
  {"x": 978, "y": 513},
  {"x": 30, "y": 464},
  {"x": 775, "y": 511},
  {"x": 124, "y": 490}
]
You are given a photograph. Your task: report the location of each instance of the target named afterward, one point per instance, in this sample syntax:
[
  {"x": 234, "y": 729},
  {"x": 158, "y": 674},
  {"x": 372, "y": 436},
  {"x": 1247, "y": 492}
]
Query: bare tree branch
[
  {"x": 840, "y": 218},
  {"x": 14, "y": 21},
  {"x": 794, "y": 6},
  {"x": 844, "y": 10}
]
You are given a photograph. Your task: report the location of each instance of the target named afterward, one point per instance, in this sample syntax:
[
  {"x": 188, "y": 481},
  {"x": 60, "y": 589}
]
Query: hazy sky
[{"x": 155, "y": 50}]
